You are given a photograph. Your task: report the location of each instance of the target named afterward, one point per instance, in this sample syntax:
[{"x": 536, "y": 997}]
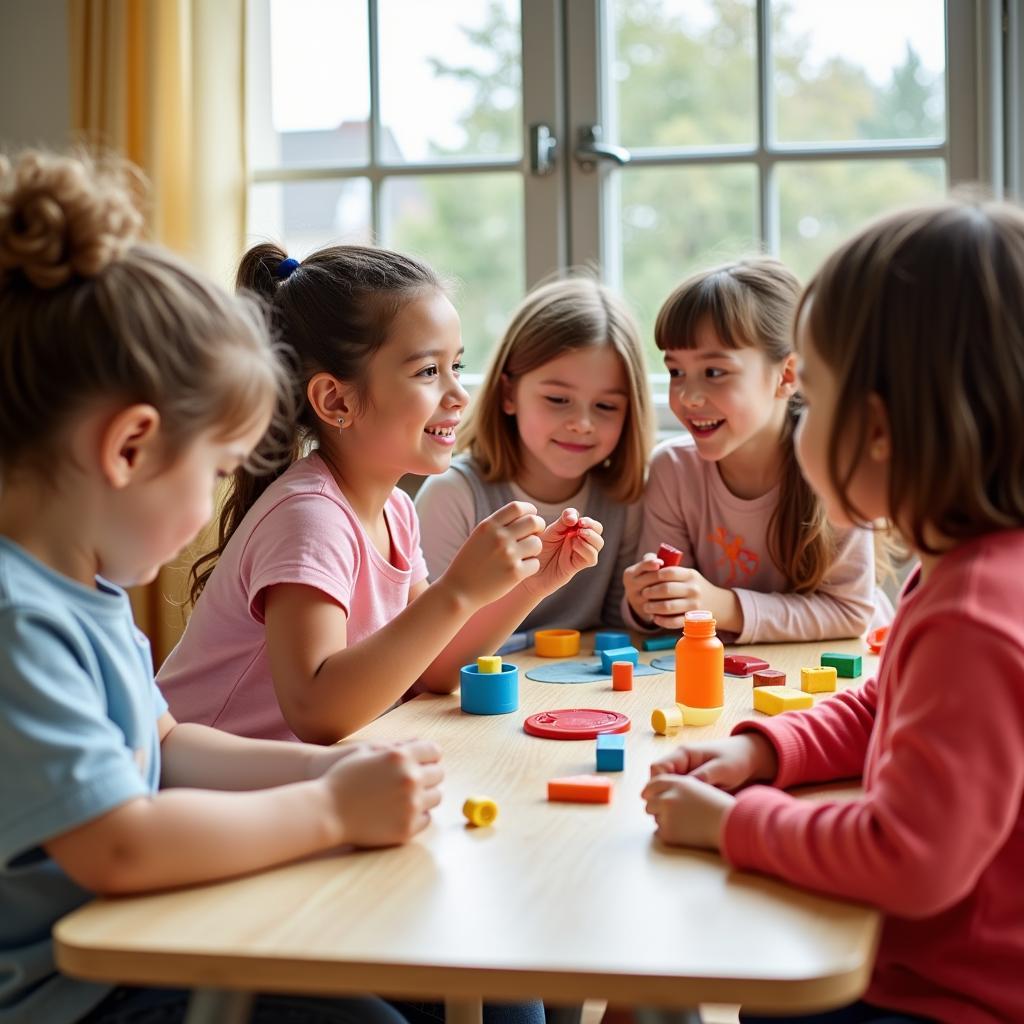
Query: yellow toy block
[
  {"x": 818, "y": 680},
  {"x": 488, "y": 664},
  {"x": 480, "y": 810},
  {"x": 773, "y": 700},
  {"x": 666, "y": 720}
]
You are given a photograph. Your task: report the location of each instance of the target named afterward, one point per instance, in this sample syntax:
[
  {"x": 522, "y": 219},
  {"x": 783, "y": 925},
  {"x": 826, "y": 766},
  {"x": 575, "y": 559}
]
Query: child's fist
[{"x": 571, "y": 543}]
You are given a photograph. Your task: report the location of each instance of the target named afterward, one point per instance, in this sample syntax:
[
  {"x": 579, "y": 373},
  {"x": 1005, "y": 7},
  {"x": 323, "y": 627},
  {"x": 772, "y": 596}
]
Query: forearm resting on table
[{"x": 184, "y": 836}]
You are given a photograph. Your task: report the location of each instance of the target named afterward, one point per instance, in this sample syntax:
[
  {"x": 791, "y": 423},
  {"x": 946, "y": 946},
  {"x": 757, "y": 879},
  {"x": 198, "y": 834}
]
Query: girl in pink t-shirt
[
  {"x": 317, "y": 616},
  {"x": 758, "y": 551},
  {"x": 912, "y": 351}
]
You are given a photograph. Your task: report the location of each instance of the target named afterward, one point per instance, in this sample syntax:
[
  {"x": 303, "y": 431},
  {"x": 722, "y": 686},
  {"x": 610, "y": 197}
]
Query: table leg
[
  {"x": 219, "y": 1006},
  {"x": 656, "y": 1015},
  {"x": 463, "y": 1011}
]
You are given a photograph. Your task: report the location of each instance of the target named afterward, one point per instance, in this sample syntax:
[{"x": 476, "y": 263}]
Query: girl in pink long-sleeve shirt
[
  {"x": 912, "y": 352},
  {"x": 758, "y": 551}
]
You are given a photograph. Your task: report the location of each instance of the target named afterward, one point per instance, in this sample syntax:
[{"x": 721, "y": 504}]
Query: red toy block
[
  {"x": 622, "y": 675},
  {"x": 743, "y": 664},
  {"x": 769, "y": 677},
  {"x": 580, "y": 789},
  {"x": 669, "y": 555}
]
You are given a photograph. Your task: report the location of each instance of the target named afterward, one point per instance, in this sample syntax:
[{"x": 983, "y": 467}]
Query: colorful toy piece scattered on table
[
  {"x": 485, "y": 692},
  {"x": 847, "y": 665},
  {"x": 605, "y": 639},
  {"x": 611, "y": 752},
  {"x": 516, "y": 642},
  {"x": 661, "y": 643},
  {"x": 557, "y": 643},
  {"x": 581, "y": 789},
  {"x": 480, "y": 811},
  {"x": 575, "y": 723},
  {"x": 744, "y": 664},
  {"x": 876, "y": 639},
  {"x": 665, "y": 721},
  {"x": 669, "y": 555},
  {"x": 488, "y": 664},
  {"x": 769, "y": 677},
  {"x": 773, "y": 700},
  {"x": 622, "y": 675},
  {"x": 700, "y": 670},
  {"x": 610, "y": 655},
  {"x": 818, "y": 680}
]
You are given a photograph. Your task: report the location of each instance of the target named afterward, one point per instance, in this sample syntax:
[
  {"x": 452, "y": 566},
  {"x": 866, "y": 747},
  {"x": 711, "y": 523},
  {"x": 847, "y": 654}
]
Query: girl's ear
[
  {"x": 332, "y": 400},
  {"x": 130, "y": 445},
  {"x": 508, "y": 395},
  {"x": 879, "y": 432},
  {"x": 788, "y": 377}
]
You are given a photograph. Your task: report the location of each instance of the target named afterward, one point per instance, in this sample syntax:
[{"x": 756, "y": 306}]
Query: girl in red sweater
[{"x": 911, "y": 338}]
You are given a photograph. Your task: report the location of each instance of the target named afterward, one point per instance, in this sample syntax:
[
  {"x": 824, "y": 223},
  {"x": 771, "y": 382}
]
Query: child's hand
[
  {"x": 727, "y": 763},
  {"x": 384, "y": 797},
  {"x": 688, "y": 812},
  {"x": 502, "y": 551},
  {"x": 571, "y": 543},
  {"x": 664, "y": 594}
]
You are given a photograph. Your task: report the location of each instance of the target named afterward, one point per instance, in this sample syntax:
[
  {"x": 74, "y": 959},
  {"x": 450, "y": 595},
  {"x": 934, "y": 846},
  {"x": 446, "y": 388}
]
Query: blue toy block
[
  {"x": 661, "y": 643},
  {"x": 847, "y": 665},
  {"x": 611, "y": 654},
  {"x": 605, "y": 639},
  {"x": 489, "y": 693},
  {"x": 611, "y": 752}
]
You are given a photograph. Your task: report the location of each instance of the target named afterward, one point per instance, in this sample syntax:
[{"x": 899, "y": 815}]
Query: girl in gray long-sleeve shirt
[{"x": 563, "y": 418}]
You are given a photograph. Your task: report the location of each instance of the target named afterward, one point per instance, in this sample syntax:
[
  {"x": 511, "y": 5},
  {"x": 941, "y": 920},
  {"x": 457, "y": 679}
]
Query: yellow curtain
[{"x": 162, "y": 83}]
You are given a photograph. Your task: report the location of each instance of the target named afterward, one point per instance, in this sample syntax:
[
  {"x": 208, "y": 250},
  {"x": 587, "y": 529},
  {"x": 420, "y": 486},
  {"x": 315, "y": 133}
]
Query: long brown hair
[
  {"x": 87, "y": 311},
  {"x": 562, "y": 316},
  {"x": 333, "y": 312},
  {"x": 925, "y": 308},
  {"x": 750, "y": 304}
]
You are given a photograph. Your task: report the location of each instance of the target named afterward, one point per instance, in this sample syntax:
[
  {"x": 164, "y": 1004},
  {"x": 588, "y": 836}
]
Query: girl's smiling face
[
  {"x": 727, "y": 398},
  {"x": 569, "y": 417},
  {"x": 413, "y": 398}
]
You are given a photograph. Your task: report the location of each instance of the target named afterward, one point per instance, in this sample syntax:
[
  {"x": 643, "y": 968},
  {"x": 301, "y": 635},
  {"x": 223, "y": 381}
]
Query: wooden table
[{"x": 558, "y": 901}]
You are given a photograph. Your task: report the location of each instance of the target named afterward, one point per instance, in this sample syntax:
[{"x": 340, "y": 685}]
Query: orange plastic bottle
[{"x": 700, "y": 670}]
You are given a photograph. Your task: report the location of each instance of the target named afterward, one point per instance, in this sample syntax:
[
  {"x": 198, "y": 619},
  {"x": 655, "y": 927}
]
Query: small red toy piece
[
  {"x": 769, "y": 677},
  {"x": 743, "y": 664},
  {"x": 876, "y": 639},
  {"x": 575, "y": 723},
  {"x": 581, "y": 789},
  {"x": 669, "y": 555}
]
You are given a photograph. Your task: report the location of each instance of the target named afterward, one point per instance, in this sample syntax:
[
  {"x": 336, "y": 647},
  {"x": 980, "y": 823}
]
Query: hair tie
[{"x": 286, "y": 267}]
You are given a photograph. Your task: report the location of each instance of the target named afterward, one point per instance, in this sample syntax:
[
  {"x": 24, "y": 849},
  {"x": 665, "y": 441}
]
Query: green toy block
[{"x": 846, "y": 665}]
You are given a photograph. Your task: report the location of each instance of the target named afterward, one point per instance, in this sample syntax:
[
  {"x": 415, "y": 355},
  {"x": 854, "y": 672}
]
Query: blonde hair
[
  {"x": 750, "y": 303},
  {"x": 87, "y": 311},
  {"x": 563, "y": 316},
  {"x": 925, "y": 308}
]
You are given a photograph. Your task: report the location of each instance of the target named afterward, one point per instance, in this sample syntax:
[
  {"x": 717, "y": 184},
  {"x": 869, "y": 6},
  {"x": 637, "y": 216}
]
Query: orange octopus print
[{"x": 742, "y": 561}]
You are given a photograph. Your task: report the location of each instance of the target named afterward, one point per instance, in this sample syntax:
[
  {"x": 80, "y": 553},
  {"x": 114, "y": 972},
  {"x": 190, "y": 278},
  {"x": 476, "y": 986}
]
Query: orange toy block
[
  {"x": 580, "y": 789},
  {"x": 622, "y": 675}
]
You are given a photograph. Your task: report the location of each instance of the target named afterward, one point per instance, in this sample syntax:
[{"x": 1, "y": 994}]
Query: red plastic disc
[{"x": 575, "y": 723}]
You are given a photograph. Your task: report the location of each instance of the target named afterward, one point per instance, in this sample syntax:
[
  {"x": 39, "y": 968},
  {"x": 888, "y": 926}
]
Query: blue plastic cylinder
[{"x": 489, "y": 693}]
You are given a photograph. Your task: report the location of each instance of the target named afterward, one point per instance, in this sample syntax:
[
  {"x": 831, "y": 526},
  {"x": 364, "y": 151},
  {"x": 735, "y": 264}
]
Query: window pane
[
  {"x": 684, "y": 72},
  {"x": 450, "y": 79},
  {"x": 677, "y": 220},
  {"x": 312, "y": 105},
  {"x": 308, "y": 214},
  {"x": 823, "y": 203},
  {"x": 468, "y": 227},
  {"x": 868, "y": 70}
]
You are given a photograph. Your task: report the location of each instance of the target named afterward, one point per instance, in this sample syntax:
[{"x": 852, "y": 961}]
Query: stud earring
[{"x": 341, "y": 422}]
